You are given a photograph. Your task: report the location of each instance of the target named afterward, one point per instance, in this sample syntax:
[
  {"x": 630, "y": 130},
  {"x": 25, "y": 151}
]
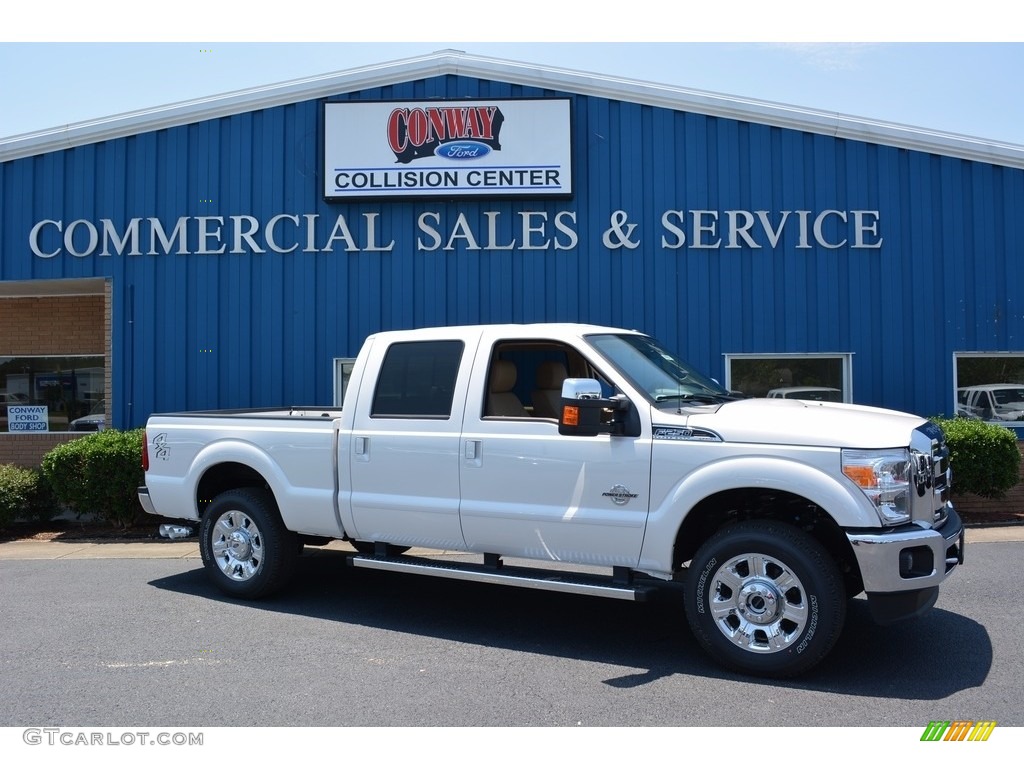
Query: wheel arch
[
  {"x": 749, "y": 488},
  {"x": 228, "y": 464},
  {"x": 227, "y": 476},
  {"x": 729, "y": 507}
]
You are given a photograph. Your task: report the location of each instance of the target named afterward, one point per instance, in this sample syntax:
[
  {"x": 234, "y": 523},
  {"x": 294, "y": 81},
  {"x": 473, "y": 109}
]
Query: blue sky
[{"x": 78, "y": 61}]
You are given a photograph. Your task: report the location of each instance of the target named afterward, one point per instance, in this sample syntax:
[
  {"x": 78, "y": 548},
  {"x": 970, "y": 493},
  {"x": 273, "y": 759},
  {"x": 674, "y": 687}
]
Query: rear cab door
[{"x": 403, "y": 451}]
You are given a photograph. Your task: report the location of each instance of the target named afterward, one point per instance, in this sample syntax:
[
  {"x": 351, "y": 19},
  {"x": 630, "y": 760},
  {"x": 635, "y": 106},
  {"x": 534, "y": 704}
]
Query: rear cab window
[{"x": 417, "y": 380}]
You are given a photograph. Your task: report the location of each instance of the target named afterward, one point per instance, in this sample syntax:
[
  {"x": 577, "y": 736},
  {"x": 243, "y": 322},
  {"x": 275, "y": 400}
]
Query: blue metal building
[{"x": 772, "y": 246}]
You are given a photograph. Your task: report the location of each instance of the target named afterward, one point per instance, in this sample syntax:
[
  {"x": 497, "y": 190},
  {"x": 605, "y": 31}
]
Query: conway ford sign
[{"x": 448, "y": 149}]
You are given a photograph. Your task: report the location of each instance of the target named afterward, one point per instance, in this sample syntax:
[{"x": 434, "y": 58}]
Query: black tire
[
  {"x": 246, "y": 549},
  {"x": 765, "y": 598}
]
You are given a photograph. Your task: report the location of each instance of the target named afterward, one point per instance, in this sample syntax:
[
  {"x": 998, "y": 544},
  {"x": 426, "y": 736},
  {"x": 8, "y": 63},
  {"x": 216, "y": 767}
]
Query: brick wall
[
  {"x": 51, "y": 325},
  {"x": 28, "y": 450}
]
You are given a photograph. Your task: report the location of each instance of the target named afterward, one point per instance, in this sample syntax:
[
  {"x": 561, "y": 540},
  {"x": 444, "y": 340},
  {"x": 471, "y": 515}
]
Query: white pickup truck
[{"x": 554, "y": 444}]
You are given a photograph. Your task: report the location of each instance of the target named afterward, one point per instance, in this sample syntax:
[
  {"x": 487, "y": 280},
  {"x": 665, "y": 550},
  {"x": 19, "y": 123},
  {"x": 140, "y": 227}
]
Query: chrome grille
[
  {"x": 932, "y": 476},
  {"x": 940, "y": 481}
]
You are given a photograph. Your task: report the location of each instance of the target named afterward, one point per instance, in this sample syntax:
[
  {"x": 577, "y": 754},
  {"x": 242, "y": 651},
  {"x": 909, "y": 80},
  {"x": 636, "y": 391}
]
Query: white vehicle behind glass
[
  {"x": 991, "y": 402},
  {"x": 826, "y": 394},
  {"x": 538, "y": 446}
]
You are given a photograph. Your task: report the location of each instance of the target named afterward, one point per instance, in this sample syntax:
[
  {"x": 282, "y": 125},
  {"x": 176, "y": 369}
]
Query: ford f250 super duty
[{"x": 562, "y": 444}]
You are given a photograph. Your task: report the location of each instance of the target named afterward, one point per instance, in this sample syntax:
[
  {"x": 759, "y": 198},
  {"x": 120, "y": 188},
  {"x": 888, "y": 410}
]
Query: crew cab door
[
  {"x": 528, "y": 491},
  {"x": 405, "y": 443}
]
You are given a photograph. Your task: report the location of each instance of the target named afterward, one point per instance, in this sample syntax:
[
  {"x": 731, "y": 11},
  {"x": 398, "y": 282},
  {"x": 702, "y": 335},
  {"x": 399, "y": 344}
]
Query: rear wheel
[
  {"x": 245, "y": 547},
  {"x": 765, "y": 598}
]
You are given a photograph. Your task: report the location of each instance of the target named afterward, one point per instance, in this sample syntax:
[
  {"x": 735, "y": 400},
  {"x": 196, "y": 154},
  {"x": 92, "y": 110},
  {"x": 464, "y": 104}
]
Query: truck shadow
[{"x": 937, "y": 655}]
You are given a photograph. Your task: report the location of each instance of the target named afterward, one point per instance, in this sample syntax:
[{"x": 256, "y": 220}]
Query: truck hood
[{"x": 798, "y": 422}]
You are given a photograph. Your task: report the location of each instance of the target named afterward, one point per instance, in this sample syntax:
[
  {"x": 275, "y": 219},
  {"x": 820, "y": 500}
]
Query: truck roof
[{"x": 511, "y": 330}]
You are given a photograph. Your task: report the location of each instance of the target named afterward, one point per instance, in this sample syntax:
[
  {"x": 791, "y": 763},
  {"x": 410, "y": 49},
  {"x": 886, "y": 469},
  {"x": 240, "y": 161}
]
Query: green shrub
[
  {"x": 99, "y": 474},
  {"x": 984, "y": 457},
  {"x": 24, "y": 494}
]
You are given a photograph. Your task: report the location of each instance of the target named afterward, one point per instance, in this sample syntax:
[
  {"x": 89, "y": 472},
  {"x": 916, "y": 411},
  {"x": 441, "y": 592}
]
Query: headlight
[{"x": 884, "y": 476}]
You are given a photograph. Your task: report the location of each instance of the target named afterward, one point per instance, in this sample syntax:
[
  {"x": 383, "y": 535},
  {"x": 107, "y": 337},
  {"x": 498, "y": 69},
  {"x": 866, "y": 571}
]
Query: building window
[
  {"x": 52, "y": 394},
  {"x": 797, "y": 377},
  {"x": 342, "y": 373},
  {"x": 990, "y": 387}
]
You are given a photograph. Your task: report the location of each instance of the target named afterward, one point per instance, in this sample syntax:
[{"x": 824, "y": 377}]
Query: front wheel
[
  {"x": 245, "y": 547},
  {"x": 765, "y": 598}
]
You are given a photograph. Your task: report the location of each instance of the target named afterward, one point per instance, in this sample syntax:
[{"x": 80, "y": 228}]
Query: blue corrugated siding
[{"x": 254, "y": 329}]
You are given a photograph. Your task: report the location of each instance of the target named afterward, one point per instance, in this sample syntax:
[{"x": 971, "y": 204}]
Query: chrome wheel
[
  {"x": 237, "y": 545},
  {"x": 245, "y": 547},
  {"x": 765, "y": 598},
  {"x": 758, "y": 603}
]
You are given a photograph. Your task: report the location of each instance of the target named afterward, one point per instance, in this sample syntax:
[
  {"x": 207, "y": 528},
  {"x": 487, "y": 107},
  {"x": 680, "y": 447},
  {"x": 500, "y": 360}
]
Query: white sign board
[
  {"x": 28, "y": 418},
  {"x": 493, "y": 148}
]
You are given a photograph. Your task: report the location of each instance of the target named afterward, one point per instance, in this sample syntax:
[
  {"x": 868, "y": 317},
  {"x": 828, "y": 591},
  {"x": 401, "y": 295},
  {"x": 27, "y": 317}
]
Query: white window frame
[
  {"x": 957, "y": 356},
  {"x": 342, "y": 373}
]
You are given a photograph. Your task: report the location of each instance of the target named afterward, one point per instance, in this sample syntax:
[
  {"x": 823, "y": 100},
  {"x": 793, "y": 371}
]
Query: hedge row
[
  {"x": 98, "y": 474},
  {"x": 984, "y": 457},
  {"x": 24, "y": 494}
]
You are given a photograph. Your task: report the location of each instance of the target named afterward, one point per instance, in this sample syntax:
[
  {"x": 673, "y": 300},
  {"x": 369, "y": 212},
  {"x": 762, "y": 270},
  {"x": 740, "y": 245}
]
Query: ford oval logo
[{"x": 462, "y": 150}]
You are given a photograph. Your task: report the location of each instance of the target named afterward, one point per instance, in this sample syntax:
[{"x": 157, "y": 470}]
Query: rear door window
[{"x": 417, "y": 380}]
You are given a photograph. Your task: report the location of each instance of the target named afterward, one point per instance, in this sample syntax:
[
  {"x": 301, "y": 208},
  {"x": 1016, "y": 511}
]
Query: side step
[{"x": 496, "y": 572}]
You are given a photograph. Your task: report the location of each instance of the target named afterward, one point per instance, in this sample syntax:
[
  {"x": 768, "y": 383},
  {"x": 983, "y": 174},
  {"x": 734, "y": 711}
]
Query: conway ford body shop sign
[
  {"x": 28, "y": 418},
  {"x": 494, "y": 148}
]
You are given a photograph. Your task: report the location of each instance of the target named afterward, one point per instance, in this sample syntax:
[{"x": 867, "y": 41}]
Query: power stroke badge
[{"x": 619, "y": 494}]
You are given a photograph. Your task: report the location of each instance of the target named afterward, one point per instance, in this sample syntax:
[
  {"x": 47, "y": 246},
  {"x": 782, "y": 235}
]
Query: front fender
[{"x": 840, "y": 498}]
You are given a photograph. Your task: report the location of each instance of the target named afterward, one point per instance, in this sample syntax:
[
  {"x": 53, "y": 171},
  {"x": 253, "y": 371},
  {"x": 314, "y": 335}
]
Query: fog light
[{"x": 916, "y": 562}]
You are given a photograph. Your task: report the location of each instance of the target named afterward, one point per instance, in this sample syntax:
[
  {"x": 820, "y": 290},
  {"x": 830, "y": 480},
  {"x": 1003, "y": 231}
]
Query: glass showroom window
[
  {"x": 52, "y": 394},
  {"x": 990, "y": 386},
  {"x": 798, "y": 377}
]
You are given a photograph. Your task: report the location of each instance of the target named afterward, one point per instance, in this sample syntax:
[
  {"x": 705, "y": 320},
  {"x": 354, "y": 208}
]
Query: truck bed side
[{"x": 194, "y": 456}]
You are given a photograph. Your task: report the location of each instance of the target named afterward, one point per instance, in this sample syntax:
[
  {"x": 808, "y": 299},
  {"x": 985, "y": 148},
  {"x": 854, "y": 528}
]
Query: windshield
[
  {"x": 655, "y": 371},
  {"x": 1008, "y": 396}
]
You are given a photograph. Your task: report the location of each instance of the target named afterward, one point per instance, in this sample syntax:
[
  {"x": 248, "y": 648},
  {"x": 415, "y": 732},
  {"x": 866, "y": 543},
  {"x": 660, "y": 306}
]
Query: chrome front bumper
[
  {"x": 909, "y": 557},
  {"x": 903, "y": 568}
]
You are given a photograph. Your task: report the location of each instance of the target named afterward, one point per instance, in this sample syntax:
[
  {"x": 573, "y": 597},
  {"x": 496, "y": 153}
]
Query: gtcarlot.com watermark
[{"x": 71, "y": 737}]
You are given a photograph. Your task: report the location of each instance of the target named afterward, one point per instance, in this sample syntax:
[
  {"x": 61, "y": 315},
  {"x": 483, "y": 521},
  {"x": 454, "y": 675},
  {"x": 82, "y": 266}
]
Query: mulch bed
[{"x": 73, "y": 530}]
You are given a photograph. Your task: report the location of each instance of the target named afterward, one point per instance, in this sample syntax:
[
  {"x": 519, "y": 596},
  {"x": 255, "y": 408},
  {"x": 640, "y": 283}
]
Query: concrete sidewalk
[
  {"x": 84, "y": 550},
  {"x": 188, "y": 549}
]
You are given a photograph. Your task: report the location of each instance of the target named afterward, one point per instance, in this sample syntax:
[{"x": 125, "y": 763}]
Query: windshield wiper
[{"x": 709, "y": 398}]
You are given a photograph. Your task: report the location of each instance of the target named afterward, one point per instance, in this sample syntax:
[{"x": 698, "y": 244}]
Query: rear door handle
[
  {"x": 361, "y": 448},
  {"x": 471, "y": 453}
]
